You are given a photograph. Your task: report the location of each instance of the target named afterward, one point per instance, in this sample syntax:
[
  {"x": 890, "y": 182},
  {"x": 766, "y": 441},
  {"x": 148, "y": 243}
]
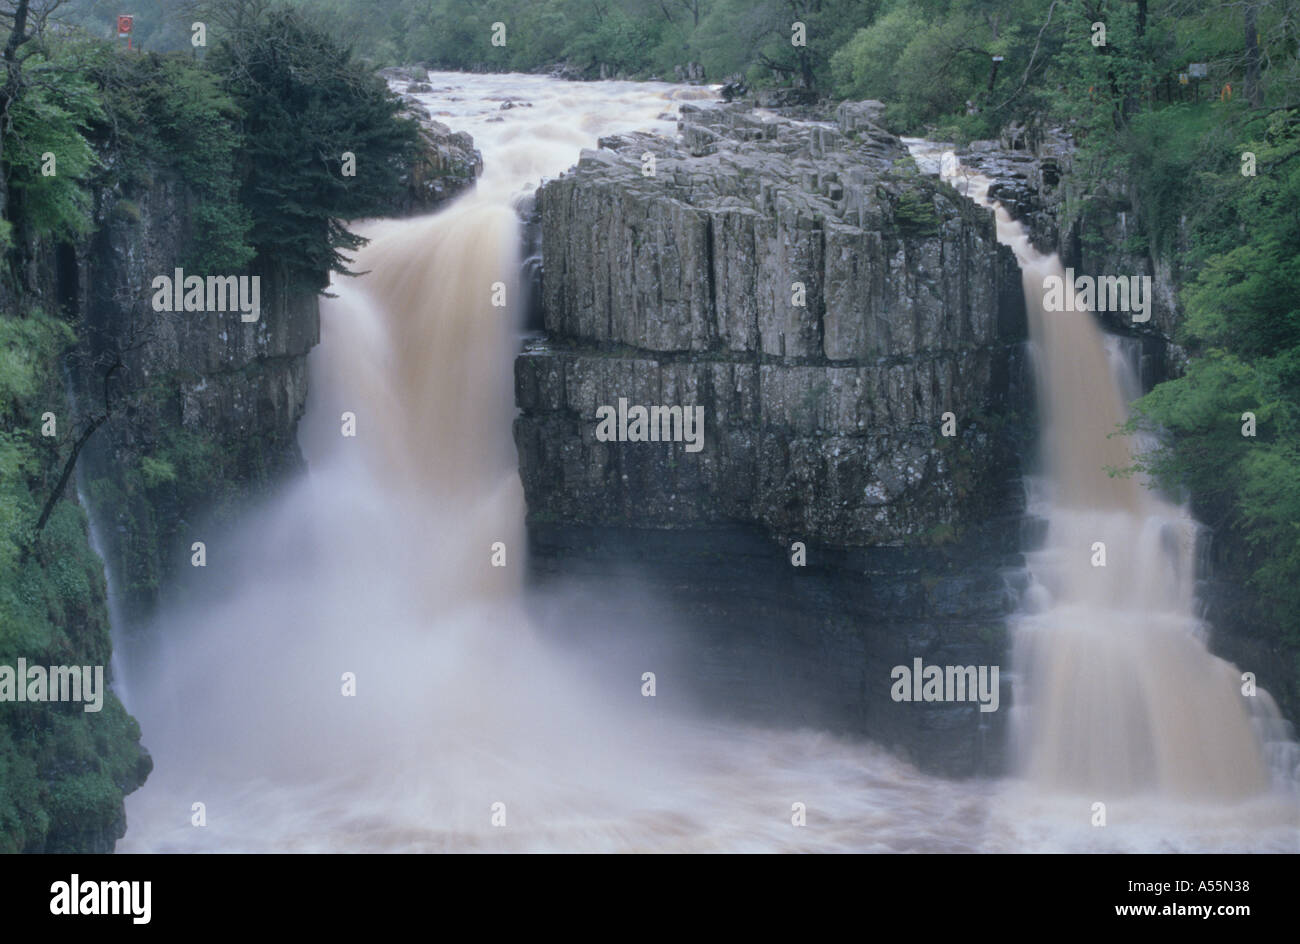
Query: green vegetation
[
  {"x": 47, "y": 124},
  {"x": 170, "y": 114},
  {"x": 256, "y": 130},
  {"x": 914, "y": 212},
  {"x": 62, "y": 769},
  {"x": 1243, "y": 327}
]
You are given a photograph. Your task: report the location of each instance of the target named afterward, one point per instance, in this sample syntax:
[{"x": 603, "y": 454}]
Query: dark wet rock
[
  {"x": 728, "y": 624},
  {"x": 1031, "y": 171},
  {"x": 677, "y": 288},
  {"x": 447, "y": 165},
  {"x": 566, "y": 71},
  {"x": 787, "y": 97},
  {"x": 691, "y": 73},
  {"x": 735, "y": 88}
]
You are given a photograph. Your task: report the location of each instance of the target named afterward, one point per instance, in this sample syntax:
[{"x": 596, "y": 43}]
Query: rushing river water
[{"x": 375, "y": 563}]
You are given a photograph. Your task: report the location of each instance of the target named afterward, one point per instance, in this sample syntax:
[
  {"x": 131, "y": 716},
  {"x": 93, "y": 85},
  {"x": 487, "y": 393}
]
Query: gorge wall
[
  {"x": 63, "y": 770},
  {"x": 204, "y": 405},
  {"x": 822, "y": 419},
  {"x": 1094, "y": 232},
  {"x": 187, "y": 415}
]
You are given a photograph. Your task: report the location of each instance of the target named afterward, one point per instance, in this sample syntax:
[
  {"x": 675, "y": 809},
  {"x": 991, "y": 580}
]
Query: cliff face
[
  {"x": 447, "y": 164},
  {"x": 823, "y": 403},
  {"x": 63, "y": 770},
  {"x": 202, "y": 412},
  {"x": 204, "y": 405}
]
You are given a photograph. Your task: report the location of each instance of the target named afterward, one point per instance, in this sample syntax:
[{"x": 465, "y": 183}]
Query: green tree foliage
[
  {"x": 305, "y": 103},
  {"x": 867, "y": 66},
  {"x": 616, "y": 41},
  {"x": 170, "y": 113},
  {"x": 637, "y": 38},
  {"x": 48, "y": 120}
]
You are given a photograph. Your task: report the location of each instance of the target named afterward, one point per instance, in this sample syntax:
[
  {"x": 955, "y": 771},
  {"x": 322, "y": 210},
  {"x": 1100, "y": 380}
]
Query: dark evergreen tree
[{"x": 307, "y": 106}]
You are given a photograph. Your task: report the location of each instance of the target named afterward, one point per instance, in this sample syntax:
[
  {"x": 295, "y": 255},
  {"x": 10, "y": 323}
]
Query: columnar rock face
[
  {"x": 205, "y": 406},
  {"x": 826, "y": 305}
]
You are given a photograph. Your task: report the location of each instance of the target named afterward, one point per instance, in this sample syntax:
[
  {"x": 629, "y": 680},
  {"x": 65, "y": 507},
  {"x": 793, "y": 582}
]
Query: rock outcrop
[
  {"x": 827, "y": 306},
  {"x": 822, "y": 418},
  {"x": 1096, "y": 234},
  {"x": 205, "y": 406},
  {"x": 446, "y": 166}
]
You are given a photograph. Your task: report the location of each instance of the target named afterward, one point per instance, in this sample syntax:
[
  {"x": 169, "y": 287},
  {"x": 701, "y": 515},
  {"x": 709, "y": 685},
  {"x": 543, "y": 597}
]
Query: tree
[
  {"x": 26, "y": 22},
  {"x": 305, "y": 105},
  {"x": 1253, "y": 93}
]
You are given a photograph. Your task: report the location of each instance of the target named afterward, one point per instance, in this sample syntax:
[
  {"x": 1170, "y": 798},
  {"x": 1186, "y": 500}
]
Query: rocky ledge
[{"x": 1096, "y": 233}]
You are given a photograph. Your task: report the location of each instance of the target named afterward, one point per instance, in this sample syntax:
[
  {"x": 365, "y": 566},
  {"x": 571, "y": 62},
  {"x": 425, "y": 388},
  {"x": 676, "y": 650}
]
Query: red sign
[{"x": 124, "y": 24}]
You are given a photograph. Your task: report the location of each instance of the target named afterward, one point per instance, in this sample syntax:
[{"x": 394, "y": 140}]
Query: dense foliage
[
  {"x": 1243, "y": 329},
  {"x": 256, "y": 128}
]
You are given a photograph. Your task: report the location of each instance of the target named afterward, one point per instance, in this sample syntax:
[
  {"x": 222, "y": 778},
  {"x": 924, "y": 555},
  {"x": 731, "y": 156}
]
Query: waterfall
[
  {"x": 1119, "y": 694},
  {"x": 112, "y": 603},
  {"x": 467, "y": 732}
]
